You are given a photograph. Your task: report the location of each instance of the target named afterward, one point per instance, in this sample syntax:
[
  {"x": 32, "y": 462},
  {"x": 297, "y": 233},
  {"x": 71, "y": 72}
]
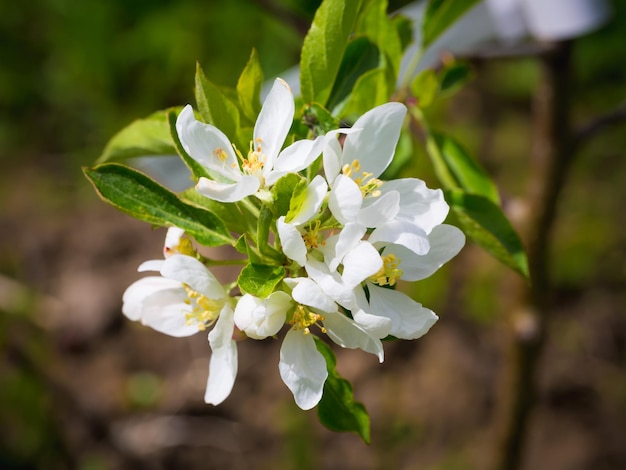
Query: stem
[{"x": 551, "y": 159}]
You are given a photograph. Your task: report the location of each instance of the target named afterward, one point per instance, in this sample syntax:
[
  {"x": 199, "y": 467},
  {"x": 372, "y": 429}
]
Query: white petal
[
  {"x": 260, "y": 318},
  {"x": 445, "y": 243},
  {"x": 151, "y": 265},
  {"x": 192, "y": 272},
  {"x": 331, "y": 284},
  {"x": 339, "y": 245},
  {"x": 172, "y": 240},
  {"x": 345, "y": 199},
  {"x": 165, "y": 310},
  {"x": 229, "y": 192},
  {"x": 207, "y": 145},
  {"x": 133, "y": 298},
  {"x": 375, "y": 325},
  {"x": 332, "y": 157},
  {"x": 375, "y": 145},
  {"x": 418, "y": 204},
  {"x": 223, "y": 364},
  {"x": 360, "y": 263},
  {"x": 302, "y": 368},
  {"x": 402, "y": 233},
  {"x": 347, "y": 334},
  {"x": 308, "y": 292},
  {"x": 291, "y": 241},
  {"x": 295, "y": 158},
  {"x": 274, "y": 122},
  {"x": 377, "y": 211},
  {"x": 409, "y": 319}
]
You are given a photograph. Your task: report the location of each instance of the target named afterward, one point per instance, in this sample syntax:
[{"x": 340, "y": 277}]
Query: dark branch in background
[{"x": 600, "y": 123}]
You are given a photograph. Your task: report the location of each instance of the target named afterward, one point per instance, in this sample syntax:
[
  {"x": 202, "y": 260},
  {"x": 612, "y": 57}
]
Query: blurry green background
[{"x": 81, "y": 387}]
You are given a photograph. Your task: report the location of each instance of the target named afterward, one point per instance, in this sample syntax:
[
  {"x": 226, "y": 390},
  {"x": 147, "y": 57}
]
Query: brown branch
[{"x": 595, "y": 126}]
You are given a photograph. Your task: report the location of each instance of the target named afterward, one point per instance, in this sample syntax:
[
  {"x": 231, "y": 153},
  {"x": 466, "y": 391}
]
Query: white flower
[
  {"x": 260, "y": 318},
  {"x": 185, "y": 300},
  {"x": 302, "y": 367},
  {"x": 409, "y": 320},
  {"x": 264, "y": 163}
]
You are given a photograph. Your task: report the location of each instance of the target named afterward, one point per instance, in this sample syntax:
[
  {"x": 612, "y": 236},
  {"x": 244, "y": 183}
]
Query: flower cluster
[{"x": 343, "y": 243}]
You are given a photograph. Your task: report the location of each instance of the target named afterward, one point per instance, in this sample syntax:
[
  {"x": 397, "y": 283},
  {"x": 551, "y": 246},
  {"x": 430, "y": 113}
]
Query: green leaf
[
  {"x": 197, "y": 170},
  {"x": 485, "y": 224},
  {"x": 249, "y": 87},
  {"x": 215, "y": 108},
  {"x": 371, "y": 90},
  {"x": 404, "y": 28},
  {"x": 141, "y": 197},
  {"x": 260, "y": 279},
  {"x": 467, "y": 174},
  {"x": 337, "y": 410},
  {"x": 324, "y": 47},
  {"x": 229, "y": 212},
  {"x": 297, "y": 200},
  {"x": 361, "y": 56},
  {"x": 425, "y": 88},
  {"x": 149, "y": 136},
  {"x": 317, "y": 118},
  {"x": 282, "y": 191},
  {"x": 266, "y": 219},
  {"x": 440, "y": 15},
  {"x": 454, "y": 76},
  {"x": 376, "y": 24}
]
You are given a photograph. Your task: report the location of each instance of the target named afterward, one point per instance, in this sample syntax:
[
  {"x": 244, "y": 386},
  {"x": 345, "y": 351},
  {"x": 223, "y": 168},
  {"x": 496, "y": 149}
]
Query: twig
[{"x": 592, "y": 128}]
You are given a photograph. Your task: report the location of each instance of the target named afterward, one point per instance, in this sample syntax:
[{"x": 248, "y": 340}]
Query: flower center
[
  {"x": 313, "y": 238},
  {"x": 389, "y": 273},
  {"x": 184, "y": 247},
  {"x": 204, "y": 311},
  {"x": 367, "y": 184},
  {"x": 303, "y": 318},
  {"x": 255, "y": 160}
]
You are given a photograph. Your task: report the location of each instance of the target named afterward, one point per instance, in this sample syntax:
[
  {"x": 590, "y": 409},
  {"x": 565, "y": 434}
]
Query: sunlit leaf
[
  {"x": 215, "y": 108},
  {"x": 143, "y": 137},
  {"x": 324, "y": 47},
  {"x": 337, "y": 410},
  {"x": 249, "y": 87},
  {"x": 485, "y": 224},
  {"x": 379, "y": 28},
  {"x": 440, "y": 15},
  {"x": 141, "y": 197},
  {"x": 425, "y": 87},
  {"x": 370, "y": 90},
  {"x": 282, "y": 191},
  {"x": 260, "y": 279},
  {"x": 229, "y": 212},
  {"x": 361, "y": 55}
]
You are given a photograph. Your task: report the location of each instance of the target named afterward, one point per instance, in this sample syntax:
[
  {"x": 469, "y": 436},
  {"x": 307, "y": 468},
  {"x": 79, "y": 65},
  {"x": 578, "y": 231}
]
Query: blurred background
[{"x": 82, "y": 387}]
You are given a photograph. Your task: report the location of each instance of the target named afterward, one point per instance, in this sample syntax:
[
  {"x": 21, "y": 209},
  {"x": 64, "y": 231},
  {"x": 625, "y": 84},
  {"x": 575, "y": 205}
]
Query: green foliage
[
  {"x": 283, "y": 190},
  {"x": 260, "y": 279},
  {"x": 249, "y": 87},
  {"x": 337, "y": 410},
  {"x": 134, "y": 193},
  {"x": 485, "y": 224},
  {"x": 440, "y": 15},
  {"x": 148, "y": 136},
  {"x": 323, "y": 48}
]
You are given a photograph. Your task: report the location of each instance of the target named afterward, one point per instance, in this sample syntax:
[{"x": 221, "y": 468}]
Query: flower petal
[
  {"x": 332, "y": 157},
  {"x": 295, "y": 158},
  {"x": 207, "y": 145},
  {"x": 345, "y": 199},
  {"x": 302, "y": 368},
  {"x": 418, "y": 204},
  {"x": 375, "y": 145},
  {"x": 330, "y": 283},
  {"x": 229, "y": 192},
  {"x": 348, "y": 334},
  {"x": 164, "y": 311},
  {"x": 409, "y": 319},
  {"x": 274, "y": 122},
  {"x": 151, "y": 265},
  {"x": 339, "y": 245},
  {"x": 223, "y": 364},
  {"x": 138, "y": 291},
  {"x": 360, "y": 263},
  {"x": 308, "y": 292},
  {"x": 445, "y": 243},
  {"x": 192, "y": 272},
  {"x": 402, "y": 233},
  {"x": 260, "y": 318},
  {"x": 377, "y": 211},
  {"x": 291, "y": 241}
]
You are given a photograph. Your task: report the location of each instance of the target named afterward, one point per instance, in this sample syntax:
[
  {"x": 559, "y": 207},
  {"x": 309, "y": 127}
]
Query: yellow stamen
[
  {"x": 367, "y": 184},
  {"x": 313, "y": 238},
  {"x": 220, "y": 153},
  {"x": 204, "y": 311},
  {"x": 304, "y": 318},
  {"x": 389, "y": 273}
]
